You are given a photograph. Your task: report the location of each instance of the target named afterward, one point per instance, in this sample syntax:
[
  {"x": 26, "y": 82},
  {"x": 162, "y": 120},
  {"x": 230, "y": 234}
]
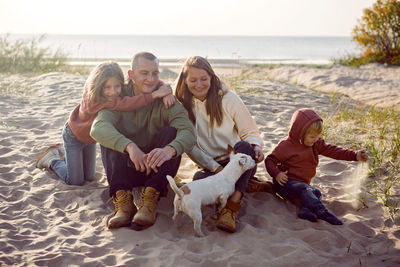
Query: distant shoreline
[{"x": 220, "y": 63}]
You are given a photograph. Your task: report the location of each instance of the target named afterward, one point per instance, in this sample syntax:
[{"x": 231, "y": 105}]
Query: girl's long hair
[
  {"x": 214, "y": 95},
  {"x": 99, "y": 76}
]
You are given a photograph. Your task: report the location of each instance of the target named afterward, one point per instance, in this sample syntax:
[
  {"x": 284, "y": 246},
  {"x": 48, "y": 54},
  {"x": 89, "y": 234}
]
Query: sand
[{"x": 44, "y": 222}]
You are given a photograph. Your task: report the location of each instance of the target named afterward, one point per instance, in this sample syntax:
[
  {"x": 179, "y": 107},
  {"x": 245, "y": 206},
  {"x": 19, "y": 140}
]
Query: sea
[{"x": 90, "y": 49}]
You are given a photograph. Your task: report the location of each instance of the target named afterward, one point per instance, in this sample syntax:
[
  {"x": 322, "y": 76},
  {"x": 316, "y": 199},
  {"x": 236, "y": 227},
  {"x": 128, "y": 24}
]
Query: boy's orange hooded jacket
[{"x": 299, "y": 160}]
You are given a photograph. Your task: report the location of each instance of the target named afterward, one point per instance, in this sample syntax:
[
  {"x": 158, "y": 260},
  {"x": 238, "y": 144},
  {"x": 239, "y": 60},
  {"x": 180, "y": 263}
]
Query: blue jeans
[
  {"x": 309, "y": 196},
  {"x": 80, "y": 160},
  {"x": 241, "y": 147}
]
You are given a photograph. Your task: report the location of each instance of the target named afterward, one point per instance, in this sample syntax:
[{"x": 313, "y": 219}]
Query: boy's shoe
[
  {"x": 307, "y": 214},
  {"x": 256, "y": 185},
  {"x": 124, "y": 209},
  {"x": 329, "y": 217},
  {"x": 45, "y": 159}
]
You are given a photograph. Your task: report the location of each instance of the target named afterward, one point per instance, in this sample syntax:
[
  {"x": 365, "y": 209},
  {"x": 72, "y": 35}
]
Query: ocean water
[{"x": 247, "y": 49}]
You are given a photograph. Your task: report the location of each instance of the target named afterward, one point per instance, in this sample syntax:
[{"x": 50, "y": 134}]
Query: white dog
[{"x": 213, "y": 189}]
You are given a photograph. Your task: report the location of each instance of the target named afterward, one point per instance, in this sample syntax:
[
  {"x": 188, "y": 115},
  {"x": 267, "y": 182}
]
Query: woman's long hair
[{"x": 214, "y": 95}]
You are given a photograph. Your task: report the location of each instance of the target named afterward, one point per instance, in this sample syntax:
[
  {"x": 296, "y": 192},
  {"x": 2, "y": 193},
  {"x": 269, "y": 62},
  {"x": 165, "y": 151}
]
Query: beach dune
[{"x": 44, "y": 222}]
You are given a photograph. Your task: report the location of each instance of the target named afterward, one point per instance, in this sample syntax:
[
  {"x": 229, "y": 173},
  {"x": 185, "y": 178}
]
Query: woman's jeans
[
  {"x": 309, "y": 196},
  {"x": 241, "y": 147},
  {"x": 80, "y": 160}
]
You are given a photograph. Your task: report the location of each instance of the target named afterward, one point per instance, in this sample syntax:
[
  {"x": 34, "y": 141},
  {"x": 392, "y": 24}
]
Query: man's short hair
[{"x": 146, "y": 55}]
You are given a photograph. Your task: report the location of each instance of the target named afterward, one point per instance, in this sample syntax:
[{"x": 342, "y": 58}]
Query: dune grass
[
  {"x": 29, "y": 56},
  {"x": 378, "y": 132}
]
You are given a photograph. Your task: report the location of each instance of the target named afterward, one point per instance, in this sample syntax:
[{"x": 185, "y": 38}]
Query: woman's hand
[
  {"x": 282, "y": 178},
  {"x": 258, "y": 153}
]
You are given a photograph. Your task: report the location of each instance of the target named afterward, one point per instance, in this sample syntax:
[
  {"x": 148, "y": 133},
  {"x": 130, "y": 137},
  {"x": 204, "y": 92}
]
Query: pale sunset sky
[{"x": 182, "y": 17}]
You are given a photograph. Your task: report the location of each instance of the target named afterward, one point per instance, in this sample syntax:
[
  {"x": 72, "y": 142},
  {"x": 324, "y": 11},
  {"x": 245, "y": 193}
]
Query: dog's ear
[
  {"x": 242, "y": 161},
  {"x": 231, "y": 149}
]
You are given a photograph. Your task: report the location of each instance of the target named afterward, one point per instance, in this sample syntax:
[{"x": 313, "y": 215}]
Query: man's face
[{"x": 145, "y": 76}]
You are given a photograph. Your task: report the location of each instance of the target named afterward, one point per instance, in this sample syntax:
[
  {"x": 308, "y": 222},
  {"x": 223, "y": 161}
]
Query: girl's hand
[
  {"x": 162, "y": 91},
  {"x": 168, "y": 101},
  {"x": 259, "y": 153},
  {"x": 282, "y": 178},
  {"x": 362, "y": 155}
]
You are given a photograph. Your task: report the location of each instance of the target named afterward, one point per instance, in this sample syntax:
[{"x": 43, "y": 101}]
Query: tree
[{"x": 378, "y": 33}]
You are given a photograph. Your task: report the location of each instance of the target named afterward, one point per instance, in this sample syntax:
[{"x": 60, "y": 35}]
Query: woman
[{"x": 220, "y": 118}]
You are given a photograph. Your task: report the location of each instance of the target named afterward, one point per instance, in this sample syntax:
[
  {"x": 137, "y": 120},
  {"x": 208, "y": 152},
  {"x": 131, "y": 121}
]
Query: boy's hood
[{"x": 301, "y": 119}]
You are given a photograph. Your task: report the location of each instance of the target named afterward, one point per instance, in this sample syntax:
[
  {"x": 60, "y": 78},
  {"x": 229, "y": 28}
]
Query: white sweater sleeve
[{"x": 202, "y": 159}]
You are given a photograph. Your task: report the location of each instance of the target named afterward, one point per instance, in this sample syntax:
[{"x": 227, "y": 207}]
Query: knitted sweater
[
  {"x": 300, "y": 161},
  {"x": 212, "y": 142}
]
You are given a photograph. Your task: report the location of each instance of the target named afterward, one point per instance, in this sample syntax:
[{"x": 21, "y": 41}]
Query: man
[{"x": 139, "y": 148}]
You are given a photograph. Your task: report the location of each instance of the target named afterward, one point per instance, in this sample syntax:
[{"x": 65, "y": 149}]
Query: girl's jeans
[
  {"x": 309, "y": 196},
  {"x": 80, "y": 160}
]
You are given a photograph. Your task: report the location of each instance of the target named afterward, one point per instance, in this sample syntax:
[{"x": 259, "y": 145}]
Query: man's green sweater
[{"x": 116, "y": 129}]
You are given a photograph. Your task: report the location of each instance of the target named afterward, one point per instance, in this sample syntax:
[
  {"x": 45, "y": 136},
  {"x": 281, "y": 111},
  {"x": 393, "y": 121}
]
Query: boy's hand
[
  {"x": 168, "y": 101},
  {"x": 164, "y": 90},
  {"x": 362, "y": 155},
  {"x": 282, "y": 178}
]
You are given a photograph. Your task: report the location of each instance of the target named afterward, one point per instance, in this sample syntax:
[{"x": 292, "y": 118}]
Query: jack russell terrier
[{"x": 213, "y": 189}]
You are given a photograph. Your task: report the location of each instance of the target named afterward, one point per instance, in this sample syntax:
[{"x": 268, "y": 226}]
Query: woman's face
[{"x": 198, "y": 81}]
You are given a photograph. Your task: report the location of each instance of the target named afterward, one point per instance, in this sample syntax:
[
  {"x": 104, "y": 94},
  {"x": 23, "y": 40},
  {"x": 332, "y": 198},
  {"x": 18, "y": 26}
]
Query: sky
[{"x": 182, "y": 17}]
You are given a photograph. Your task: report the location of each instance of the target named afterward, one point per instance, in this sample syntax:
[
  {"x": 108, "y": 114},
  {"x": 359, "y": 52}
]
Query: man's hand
[
  {"x": 282, "y": 178},
  {"x": 158, "y": 156},
  {"x": 138, "y": 158},
  {"x": 259, "y": 153}
]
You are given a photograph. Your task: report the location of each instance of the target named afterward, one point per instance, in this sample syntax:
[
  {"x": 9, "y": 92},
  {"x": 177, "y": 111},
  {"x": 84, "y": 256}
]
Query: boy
[{"x": 293, "y": 162}]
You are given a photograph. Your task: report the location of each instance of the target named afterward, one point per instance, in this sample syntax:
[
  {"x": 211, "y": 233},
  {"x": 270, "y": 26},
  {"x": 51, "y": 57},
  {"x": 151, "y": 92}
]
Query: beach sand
[{"x": 44, "y": 222}]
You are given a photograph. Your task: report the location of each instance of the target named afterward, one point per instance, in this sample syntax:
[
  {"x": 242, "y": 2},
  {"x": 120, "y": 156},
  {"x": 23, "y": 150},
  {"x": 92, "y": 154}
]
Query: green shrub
[
  {"x": 378, "y": 33},
  {"x": 26, "y": 56}
]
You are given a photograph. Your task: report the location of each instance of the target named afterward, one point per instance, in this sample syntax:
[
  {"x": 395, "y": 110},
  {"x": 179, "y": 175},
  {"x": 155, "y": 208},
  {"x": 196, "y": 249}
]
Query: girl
[
  {"x": 102, "y": 90},
  {"x": 220, "y": 118}
]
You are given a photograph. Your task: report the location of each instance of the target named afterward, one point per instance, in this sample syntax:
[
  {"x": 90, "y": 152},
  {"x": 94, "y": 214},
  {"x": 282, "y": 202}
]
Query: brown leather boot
[
  {"x": 256, "y": 185},
  {"x": 124, "y": 209},
  {"x": 146, "y": 214},
  {"x": 227, "y": 217}
]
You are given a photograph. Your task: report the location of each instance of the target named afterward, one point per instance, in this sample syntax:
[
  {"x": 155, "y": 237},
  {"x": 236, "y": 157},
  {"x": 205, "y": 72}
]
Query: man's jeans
[
  {"x": 121, "y": 172},
  {"x": 80, "y": 160},
  {"x": 309, "y": 196},
  {"x": 241, "y": 147}
]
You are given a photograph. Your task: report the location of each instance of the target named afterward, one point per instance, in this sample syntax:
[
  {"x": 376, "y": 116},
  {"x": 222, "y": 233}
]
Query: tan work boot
[
  {"x": 256, "y": 185},
  {"x": 124, "y": 209},
  {"x": 146, "y": 214},
  {"x": 227, "y": 217}
]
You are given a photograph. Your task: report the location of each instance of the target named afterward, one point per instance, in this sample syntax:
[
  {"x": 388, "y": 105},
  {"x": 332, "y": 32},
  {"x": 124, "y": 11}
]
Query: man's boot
[
  {"x": 227, "y": 218},
  {"x": 146, "y": 214},
  {"x": 124, "y": 209}
]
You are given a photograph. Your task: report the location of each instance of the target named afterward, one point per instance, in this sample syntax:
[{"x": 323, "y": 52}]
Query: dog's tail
[{"x": 175, "y": 187}]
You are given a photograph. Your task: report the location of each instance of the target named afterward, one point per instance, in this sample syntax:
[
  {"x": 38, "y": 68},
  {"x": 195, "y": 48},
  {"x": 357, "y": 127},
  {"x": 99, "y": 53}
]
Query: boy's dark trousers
[
  {"x": 241, "y": 147},
  {"x": 309, "y": 196},
  {"x": 121, "y": 172}
]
